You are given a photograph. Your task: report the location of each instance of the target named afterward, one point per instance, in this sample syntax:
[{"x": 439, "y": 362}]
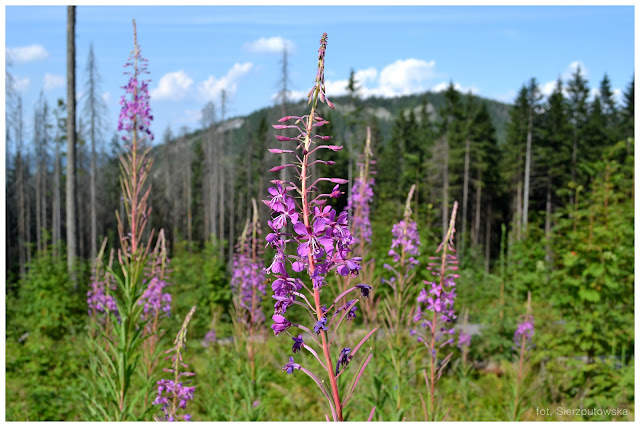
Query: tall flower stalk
[
  {"x": 522, "y": 340},
  {"x": 405, "y": 248},
  {"x": 435, "y": 311},
  {"x": 360, "y": 205},
  {"x": 395, "y": 307},
  {"x": 115, "y": 366},
  {"x": 322, "y": 239},
  {"x": 248, "y": 284}
]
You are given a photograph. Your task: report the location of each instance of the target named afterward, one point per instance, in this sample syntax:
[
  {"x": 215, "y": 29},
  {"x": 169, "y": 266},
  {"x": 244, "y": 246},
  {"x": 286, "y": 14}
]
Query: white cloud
[
  {"x": 53, "y": 81},
  {"x": 568, "y": 73},
  {"x": 367, "y": 75},
  {"x": 20, "y": 84},
  {"x": 547, "y": 88},
  {"x": 404, "y": 77},
  {"x": 34, "y": 52},
  {"x": 106, "y": 97},
  {"x": 270, "y": 45},
  {"x": 442, "y": 86},
  {"x": 210, "y": 88},
  {"x": 617, "y": 95},
  {"x": 172, "y": 86}
]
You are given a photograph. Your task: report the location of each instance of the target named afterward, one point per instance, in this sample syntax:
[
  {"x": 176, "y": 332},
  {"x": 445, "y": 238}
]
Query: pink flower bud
[
  {"x": 282, "y": 138},
  {"x": 279, "y": 126},
  {"x": 339, "y": 181}
]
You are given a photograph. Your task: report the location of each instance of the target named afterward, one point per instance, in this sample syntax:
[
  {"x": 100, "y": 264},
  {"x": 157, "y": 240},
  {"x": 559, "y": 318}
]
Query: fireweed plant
[
  {"x": 173, "y": 394},
  {"x": 249, "y": 290},
  {"x": 360, "y": 205},
  {"x": 522, "y": 339},
  {"x": 135, "y": 301},
  {"x": 396, "y": 312},
  {"x": 435, "y": 314},
  {"x": 322, "y": 243}
]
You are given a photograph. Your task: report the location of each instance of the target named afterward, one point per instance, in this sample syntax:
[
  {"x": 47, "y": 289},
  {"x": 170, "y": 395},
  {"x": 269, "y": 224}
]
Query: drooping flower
[
  {"x": 297, "y": 343},
  {"x": 364, "y": 289},
  {"x": 321, "y": 325},
  {"x": 343, "y": 359},
  {"x": 289, "y": 367},
  {"x": 280, "y": 324}
]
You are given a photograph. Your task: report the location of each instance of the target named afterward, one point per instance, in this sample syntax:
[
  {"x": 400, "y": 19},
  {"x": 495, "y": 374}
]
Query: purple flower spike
[
  {"x": 524, "y": 330},
  {"x": 464, "y": 340}
]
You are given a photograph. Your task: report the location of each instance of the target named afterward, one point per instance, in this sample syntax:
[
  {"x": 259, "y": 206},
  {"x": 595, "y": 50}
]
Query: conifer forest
[{"x": 460, "y": 258}]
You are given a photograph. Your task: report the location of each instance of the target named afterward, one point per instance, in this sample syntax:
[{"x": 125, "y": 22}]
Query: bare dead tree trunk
[
  {"x": 21, "y": 214},
  {"x": 27, "y": 207},
  {"x": 187, "y": 149},
  {"x": 55, "y": 214},
  {"x": 445, "y": 188},
  {"x": 43, "y": 179},
  {"x": 476, "y": 234},
  {"x": 221, "y": 178},
  {"x": 71, "y": 143},
  {"x": 232, "y": 211},
  {"x": 465, "y": 192}
]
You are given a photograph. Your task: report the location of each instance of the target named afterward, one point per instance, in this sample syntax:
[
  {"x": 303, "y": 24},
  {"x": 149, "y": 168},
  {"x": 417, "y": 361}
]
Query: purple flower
[
  {"x": 343, "y": 359},
  {"x": 524, "y": 330},
  {"x": 210, "y": 337},
  {"x": 359, "y": 204},
  {"x": 321, "y": 325},
  {"x": 289, "y": 367},
  {"x": 441, "y": 294},
  {"x": 464, "y": 340},
  {"x": 167, "y": 389},
  {"x": 281, "y": 324},
  {"x": 135, "y": 113},
  {"x": 153, "y": 298},
  {"x": 297, "y": 343},
  {"x": 364, "y": 289},
  {"x": 405, "y": 237}
]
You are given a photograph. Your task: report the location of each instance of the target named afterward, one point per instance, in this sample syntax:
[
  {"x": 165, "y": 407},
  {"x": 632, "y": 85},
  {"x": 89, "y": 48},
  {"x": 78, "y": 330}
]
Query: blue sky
[{"x": 194, "y": 51}]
